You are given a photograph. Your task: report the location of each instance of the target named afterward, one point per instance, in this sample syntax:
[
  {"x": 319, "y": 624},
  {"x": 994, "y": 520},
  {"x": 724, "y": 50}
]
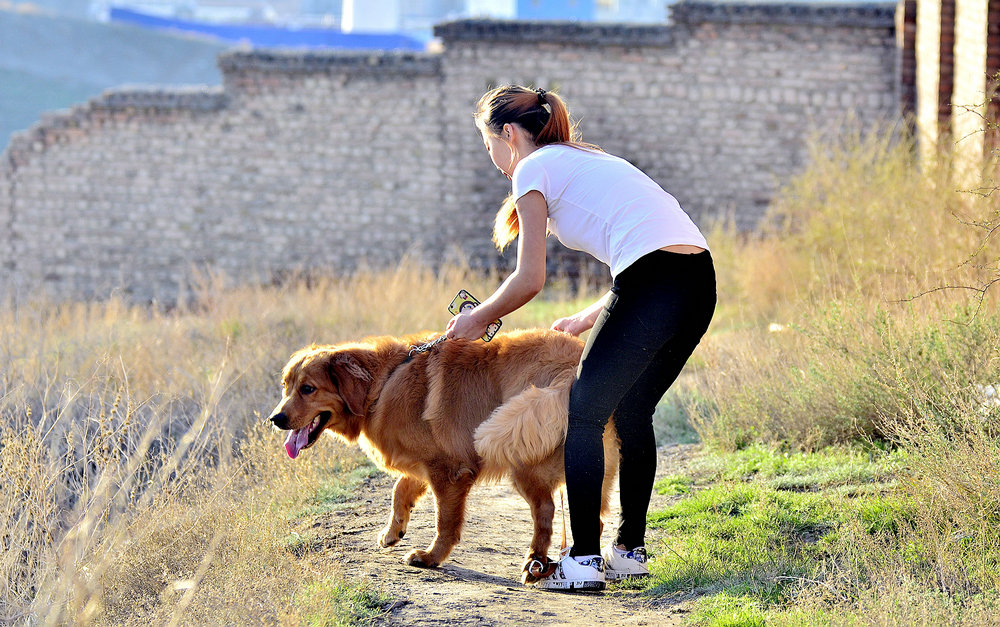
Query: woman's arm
[{"x": 527, "y": 279}]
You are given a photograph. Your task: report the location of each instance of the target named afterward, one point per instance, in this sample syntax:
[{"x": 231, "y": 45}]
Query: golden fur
[{"x": 462, "y": 413}]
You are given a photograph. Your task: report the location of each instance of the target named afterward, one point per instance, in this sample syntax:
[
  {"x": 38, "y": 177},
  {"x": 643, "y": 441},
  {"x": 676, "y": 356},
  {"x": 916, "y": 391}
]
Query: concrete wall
[{"x": 321, "y": 161}]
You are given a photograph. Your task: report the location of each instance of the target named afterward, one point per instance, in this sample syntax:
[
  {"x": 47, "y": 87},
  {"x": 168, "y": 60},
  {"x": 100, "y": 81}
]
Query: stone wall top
[
  {"x": 154, "y": 99},
  {"x": 856, "y": 15},
  {"x": 584, "y": 33},
  {"x": 686, "y": 12},
  {"x": 196, "y": 98},
  {"x": 383, "y": 62},
  {"x": 149, "y": 99}
]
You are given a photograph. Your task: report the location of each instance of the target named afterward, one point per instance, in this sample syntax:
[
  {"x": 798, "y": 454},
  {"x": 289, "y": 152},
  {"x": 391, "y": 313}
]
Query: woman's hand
[
  {"x": 580, "y": 321},
  {"x": 466, "y": 326},
  {"x": 574, "y": 325}
]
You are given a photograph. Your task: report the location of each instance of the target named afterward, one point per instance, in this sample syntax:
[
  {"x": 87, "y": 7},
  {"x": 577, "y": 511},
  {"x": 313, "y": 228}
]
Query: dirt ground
[{"x": 480, "y": 583}]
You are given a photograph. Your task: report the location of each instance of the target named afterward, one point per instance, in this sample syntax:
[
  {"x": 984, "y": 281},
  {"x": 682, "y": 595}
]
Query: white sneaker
[
  {"x": 584, "y": 573},
  {"x": 619, "y": 565}
]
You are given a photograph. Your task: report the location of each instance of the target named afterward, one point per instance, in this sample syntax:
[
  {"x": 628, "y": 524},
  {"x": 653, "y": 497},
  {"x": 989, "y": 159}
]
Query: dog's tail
[{"x": 527, "y": 428}]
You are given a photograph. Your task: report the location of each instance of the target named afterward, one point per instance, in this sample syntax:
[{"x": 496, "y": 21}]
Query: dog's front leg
[
  {"x": 449, "y": 495},
  {"x": 405, "y": 495}
]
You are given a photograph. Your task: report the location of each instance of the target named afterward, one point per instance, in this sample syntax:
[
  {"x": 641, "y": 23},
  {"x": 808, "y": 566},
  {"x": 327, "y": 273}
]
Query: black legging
[{"x": 656, "y": 314}]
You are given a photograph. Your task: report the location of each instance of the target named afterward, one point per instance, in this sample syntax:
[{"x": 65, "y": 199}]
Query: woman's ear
[{"x": 508, "y": 132}]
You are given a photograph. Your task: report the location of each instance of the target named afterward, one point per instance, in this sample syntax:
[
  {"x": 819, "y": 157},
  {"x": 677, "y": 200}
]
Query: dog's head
[{"x": 324, "y": 388}]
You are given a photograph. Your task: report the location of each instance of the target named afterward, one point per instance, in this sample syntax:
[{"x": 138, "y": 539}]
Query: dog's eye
[{"x": 307, "y": 390}]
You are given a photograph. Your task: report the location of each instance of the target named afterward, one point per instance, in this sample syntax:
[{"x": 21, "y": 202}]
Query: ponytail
[
  {"x": 557, "y": 129},
  {"x": 505, "y": 225},
  {"x": 513, "y": 104}
]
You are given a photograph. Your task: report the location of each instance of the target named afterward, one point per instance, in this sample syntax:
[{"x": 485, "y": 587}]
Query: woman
[{"x": 644, "y": 330}]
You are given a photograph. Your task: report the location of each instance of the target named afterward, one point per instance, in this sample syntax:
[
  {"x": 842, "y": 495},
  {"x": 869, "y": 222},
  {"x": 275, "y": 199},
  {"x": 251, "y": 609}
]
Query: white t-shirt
[{"x": 603, "y": 205}]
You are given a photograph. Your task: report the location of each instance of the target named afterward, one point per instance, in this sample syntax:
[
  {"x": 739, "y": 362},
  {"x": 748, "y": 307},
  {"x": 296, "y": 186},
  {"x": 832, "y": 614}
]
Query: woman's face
[{"x": 500, "y": 153}]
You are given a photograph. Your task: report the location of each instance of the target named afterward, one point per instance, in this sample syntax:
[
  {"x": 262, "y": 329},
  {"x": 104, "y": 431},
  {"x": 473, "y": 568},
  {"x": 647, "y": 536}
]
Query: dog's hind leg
[
  {"x": 538, "y": 494},
  {"x": 405, "y": 495},
  {"x": 450, "y": 494},
  {"x": 612, "y": 455}
]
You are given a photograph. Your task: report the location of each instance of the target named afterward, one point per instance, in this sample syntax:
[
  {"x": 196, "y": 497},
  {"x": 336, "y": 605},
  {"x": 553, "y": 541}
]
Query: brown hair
[{"x": 514, "y": 104}]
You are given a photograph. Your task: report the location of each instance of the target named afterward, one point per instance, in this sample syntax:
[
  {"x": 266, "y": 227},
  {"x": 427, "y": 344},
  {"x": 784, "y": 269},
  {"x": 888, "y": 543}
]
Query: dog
[{"x": 461, "y": 413}]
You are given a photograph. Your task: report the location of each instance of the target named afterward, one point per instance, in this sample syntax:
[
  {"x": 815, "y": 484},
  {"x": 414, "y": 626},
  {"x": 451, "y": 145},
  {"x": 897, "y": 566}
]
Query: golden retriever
[{"x": 460, "y": 413}]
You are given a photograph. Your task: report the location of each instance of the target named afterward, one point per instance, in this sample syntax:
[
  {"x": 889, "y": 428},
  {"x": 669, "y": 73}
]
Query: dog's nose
[{"x": 279, "y": 420}]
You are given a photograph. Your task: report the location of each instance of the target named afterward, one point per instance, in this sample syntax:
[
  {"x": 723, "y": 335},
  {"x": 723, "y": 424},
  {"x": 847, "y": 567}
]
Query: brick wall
[
  {"x": 322, "y": 161},
  {"x": 296, "y": 164}
]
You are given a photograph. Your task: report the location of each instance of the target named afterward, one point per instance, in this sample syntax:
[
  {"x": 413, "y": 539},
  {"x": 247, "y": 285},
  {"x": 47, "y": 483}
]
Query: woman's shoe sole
[{"x": 565, "y": 586}]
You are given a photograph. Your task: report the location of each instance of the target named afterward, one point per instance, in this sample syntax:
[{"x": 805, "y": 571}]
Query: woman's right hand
[
  {"x": 580, "y": 321},
  {"x": 574, "y": 325},
  {"x": 570, "y": 325}
]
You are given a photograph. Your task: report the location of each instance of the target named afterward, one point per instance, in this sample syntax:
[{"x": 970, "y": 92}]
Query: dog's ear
[{"x": 352, "y": 380}]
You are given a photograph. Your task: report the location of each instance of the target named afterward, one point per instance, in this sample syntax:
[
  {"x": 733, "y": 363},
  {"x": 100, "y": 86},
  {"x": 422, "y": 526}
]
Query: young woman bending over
[{"x": 643, "y": 331}]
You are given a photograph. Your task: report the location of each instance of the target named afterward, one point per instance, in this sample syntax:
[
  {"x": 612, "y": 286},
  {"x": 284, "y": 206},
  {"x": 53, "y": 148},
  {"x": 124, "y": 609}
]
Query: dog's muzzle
[{"x": 280, "y": 421}]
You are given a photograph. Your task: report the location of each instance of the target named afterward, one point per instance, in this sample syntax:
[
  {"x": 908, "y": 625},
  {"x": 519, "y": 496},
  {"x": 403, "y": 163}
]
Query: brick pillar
[
  {"x": 906, "y": 37},
  {"x": 993, "y": 75},
  {"x": 946, "y": 68}
]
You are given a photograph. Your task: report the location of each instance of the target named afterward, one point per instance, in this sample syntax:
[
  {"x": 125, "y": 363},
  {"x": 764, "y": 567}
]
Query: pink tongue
[{"x": 295, "y": 441}]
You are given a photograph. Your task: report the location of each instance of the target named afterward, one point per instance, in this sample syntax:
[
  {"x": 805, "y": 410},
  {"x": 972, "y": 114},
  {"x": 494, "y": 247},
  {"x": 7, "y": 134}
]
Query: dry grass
[{"x": 141, "y": 483}]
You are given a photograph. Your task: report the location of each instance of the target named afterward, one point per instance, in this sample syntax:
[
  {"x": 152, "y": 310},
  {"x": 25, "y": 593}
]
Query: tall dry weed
[
  {"x": 856, "y": 271},
  {"x": 865, "y": 220}
]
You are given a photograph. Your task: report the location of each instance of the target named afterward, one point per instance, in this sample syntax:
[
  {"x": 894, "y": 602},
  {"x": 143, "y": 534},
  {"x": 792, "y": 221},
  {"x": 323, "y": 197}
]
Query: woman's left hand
[{"x": 466, "y": 326}]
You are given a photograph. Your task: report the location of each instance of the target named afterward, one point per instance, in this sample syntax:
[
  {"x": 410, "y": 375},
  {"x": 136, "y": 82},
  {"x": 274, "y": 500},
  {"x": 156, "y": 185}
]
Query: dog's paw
[
  {"x": 537, "y": 568},
  {"x": 390, "y": 536},
  {"x": 421, "y": 559}
]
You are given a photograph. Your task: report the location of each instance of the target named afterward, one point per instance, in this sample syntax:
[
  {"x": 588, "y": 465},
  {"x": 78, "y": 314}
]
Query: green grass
[
  {"x": 739, "y": 607},
  {"x": 756, "y": 527},
  {"x": 673, "y": 485},
  {"x": 330, "y": 602},
  {"x": 335, "y": 600},
  {"x": 765, "y": 536},
  {"x": 734, "y": 532},
  {"x": 842, "y": 466}
]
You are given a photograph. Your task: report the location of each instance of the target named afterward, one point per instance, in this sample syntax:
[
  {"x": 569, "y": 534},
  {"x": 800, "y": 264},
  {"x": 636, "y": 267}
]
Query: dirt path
[{"x": 479, "y": 584}]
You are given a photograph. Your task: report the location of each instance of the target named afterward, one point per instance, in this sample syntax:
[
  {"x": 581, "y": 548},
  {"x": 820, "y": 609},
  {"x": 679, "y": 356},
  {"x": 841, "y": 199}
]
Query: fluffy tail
[{"x": 527, "y": 428}]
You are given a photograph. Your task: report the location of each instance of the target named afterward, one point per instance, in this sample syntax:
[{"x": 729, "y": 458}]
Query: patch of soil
[{"x": 479, "y": 584}]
